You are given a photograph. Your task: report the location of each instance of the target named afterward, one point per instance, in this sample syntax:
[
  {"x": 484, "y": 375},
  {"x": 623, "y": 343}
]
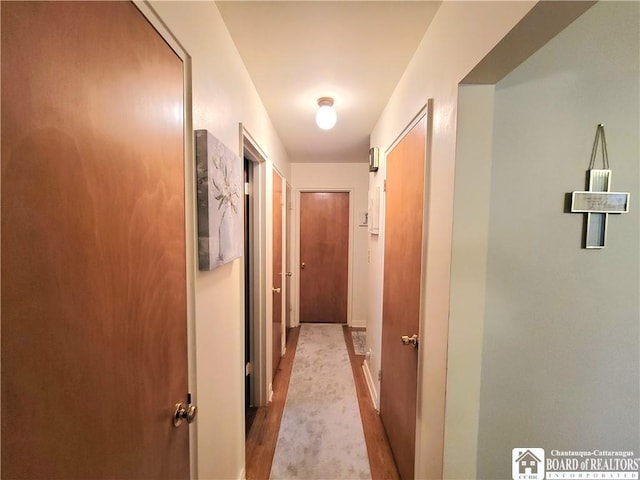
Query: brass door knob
[
  {"x": 276, "y": 290},
  {"x": 410, "y": 340},
  {"x": 303, "y": 265},
  {"x": 184, "y": 413}
]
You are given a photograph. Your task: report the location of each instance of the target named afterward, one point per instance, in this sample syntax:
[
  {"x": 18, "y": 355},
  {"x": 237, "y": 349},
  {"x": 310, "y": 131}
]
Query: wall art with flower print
[{"x": 220, "y": 202}]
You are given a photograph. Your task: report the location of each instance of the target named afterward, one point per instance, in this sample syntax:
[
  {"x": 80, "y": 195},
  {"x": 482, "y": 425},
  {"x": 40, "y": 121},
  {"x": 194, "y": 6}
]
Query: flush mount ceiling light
[{"x": 326, "y": 116}]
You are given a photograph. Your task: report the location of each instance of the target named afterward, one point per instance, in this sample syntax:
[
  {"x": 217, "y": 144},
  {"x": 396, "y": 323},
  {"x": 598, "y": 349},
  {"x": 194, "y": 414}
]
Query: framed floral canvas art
[{"x": 220, "y": 202}]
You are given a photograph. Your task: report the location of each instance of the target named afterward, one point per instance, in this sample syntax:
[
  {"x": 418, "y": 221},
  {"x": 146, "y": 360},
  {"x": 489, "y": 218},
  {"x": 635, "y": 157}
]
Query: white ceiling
[{"x": 353, "y": 51}]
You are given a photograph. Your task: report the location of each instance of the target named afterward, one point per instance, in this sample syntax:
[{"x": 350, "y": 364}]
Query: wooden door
[
  {"x": 287, "y": 256},
  {"x": 277, "y": 271},
  {"x": 324, "y": 256},
  {"x": 93, "y": 287},
  {"x": 401, "y": 294}
]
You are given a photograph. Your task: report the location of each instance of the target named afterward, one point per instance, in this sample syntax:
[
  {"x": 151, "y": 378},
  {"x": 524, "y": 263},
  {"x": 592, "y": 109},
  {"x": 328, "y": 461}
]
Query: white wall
[
  {"x": 373, "y": 361},
  {"x": 335, "y": 176},
  {"x": 223, "y": 95},
  {"x": 460, "y": 35},
  {"x": 560, "y": 361}
]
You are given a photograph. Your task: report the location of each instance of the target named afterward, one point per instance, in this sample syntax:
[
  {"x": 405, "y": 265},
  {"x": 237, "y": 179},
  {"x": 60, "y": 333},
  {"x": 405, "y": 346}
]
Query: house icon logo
[{"x": 527, "y": 463}]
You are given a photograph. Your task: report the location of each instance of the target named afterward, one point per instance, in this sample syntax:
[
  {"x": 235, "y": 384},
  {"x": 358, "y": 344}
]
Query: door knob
[
  {"x": 303, "y": 265},
  {"x": 288, "y": 274},
  {"x": 410, "y": 340},
  {"x": 276, "y": 290},
  {"x": 184, "y": 413}
]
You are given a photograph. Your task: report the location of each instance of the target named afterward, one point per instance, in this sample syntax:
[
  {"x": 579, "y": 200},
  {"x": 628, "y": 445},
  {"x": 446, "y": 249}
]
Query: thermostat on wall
[{"x": 374, "y": 158}]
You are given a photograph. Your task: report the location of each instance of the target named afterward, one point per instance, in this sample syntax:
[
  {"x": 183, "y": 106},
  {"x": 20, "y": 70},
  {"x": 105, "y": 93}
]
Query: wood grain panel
[
  {"x": 401, "y": 294},
  {"x": 93, "y": 244},
  {"x": 324, "y": 250},
  {"x": 277, "y": 272}
]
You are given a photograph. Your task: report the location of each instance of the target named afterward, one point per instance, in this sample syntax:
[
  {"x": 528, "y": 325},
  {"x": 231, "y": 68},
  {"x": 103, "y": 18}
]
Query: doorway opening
[
  {"x": 248, "y": 290},
  {"x": 254, "y": 273}
]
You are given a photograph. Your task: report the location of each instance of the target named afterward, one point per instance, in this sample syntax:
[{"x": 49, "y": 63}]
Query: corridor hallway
[{"x": 264, "y": 424}]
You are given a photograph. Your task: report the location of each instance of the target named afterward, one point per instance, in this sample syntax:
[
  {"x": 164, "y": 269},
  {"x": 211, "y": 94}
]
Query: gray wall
[{"x": 560, "y": 354}]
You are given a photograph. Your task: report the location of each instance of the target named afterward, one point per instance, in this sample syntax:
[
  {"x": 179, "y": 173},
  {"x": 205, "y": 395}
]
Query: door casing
[{"x": 260, "y": 330}]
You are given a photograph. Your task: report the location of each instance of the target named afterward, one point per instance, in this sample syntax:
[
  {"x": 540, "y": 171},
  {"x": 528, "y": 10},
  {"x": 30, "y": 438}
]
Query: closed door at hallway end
[{"x": 324, "y": 256}]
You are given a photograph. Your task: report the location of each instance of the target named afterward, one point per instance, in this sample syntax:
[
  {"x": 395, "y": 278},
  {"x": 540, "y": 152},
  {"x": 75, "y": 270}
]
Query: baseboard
[
  {"x": 372, "y": 388},
  {"x": 270, "y": 393},
  {"x": 358, "y": 323}
]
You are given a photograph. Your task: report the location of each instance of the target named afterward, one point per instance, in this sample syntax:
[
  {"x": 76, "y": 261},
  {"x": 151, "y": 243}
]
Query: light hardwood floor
[{"x": 264, "y": 423}]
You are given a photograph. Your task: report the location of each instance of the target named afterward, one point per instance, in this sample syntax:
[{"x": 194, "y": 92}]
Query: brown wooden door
[
  {"x": 324, "y": 256},
  {"x": 93, "y": 287},
  {"x": 287, "y": 256},
  {"x": 401, "y": 294},
  {"x": 277, "y": 271}
]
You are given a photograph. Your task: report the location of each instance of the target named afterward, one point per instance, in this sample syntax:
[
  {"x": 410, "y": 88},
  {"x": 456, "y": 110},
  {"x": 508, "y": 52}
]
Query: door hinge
[
  {"x": 384, "y": 188},
  {"x": 380, "y": 375},
  {"x": 248, "y": 369},
  {"x": 246, "y": 188}
]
